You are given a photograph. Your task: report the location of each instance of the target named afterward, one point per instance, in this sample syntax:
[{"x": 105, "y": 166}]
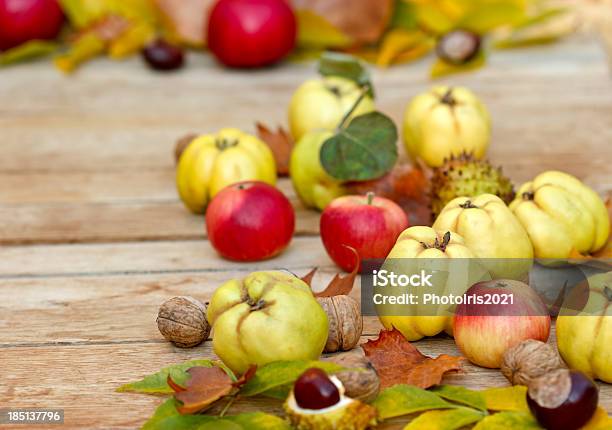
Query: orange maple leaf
[
  {"x": 281, "y": 144},
  {"x": 397, "y": 361},
  {"x": 339, "y": 285}
]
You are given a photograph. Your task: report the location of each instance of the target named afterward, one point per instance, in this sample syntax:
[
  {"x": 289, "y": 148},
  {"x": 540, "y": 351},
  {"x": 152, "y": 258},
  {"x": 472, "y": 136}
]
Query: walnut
[
  {"x": 361, "y": 382},
  {"x": 345, "y": 322},
  {"x": 528, "y": 360},
  {"x": 182, "y": 321}
]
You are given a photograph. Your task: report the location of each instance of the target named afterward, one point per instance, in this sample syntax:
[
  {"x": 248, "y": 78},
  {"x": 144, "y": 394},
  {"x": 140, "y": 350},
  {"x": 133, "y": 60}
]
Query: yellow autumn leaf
[
  {"x": 446, "y": 419},
  {"x": 396, "y": 42},
  {"x": 433, "y": 18},
  {"x": 441, "y": 68},
  {"x": 130, "y": 41},
  {"x": 508, "y": 420},
  {"x": 415, "y": 52},
  {"x": 83, "y": 49},
  {"x": 506, "y": 398},
  {"x": 314, "y": 31},
  {"x": 600, "y": 421}
]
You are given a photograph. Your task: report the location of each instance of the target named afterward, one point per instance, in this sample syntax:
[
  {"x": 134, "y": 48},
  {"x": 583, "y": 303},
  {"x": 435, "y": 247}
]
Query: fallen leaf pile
[{"x": 397, "y": 361}]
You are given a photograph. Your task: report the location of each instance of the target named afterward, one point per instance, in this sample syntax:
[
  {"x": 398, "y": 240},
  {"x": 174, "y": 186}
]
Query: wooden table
[{"x": 94, "y": 237}]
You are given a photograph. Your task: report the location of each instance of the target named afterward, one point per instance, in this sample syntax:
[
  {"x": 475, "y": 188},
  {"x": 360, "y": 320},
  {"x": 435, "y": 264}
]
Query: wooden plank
[
  {"x": 160, "y": 257},
  {"x": 101, "y": 308},
  {"x": 49, "y": 376}
]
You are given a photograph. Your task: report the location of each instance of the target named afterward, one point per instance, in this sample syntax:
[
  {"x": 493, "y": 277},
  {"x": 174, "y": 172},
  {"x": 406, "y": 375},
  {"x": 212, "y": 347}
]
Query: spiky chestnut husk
[
  {"x": 347, "y": 414},
  {"x": 463, "y": 175}
]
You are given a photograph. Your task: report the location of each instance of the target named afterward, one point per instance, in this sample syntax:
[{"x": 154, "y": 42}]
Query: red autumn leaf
[
  {"x": 206, "y": 386},
  {"x": 397, "y": 361},
  {"x": 188, "y": 18},
  {"x": 362, "y": 21},
  {"x": 339, "y": 285},
  {"x": 281, "y": 144},
  {"x": 406, "y": 185}
]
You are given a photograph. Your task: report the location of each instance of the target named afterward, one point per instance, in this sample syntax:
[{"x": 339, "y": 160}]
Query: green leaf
[
  {"x": 404, "y": 15},
  {"x": 345, "y": 66},
  {"x": 441, "y": 68},
  {"x": 27, "y": 51},
  {"x": 156, "y": 383},
  {"x": 446, "y": 420},
  {"x": 508, "y": 420},
  {"x": 166, "y": 417},
  {"x": 272, "y": 376},
  {"x": 364, "y": 150},
  {"x": 489, "y": 16},
  {"x": 407, "y": 399},
  {"x": 458, "y": 394}
]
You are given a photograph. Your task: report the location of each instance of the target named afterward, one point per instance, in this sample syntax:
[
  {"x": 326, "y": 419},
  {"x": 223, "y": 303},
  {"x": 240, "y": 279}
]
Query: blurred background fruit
[
  {"x": 251, "y": 33},
  {"x": 25, "y": 20}
]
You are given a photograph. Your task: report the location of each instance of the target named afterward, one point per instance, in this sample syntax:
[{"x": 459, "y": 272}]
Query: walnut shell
[
  {"x": 182, "y": 321},
  {"x": 345, "y": 322},
  {"x": 528, "y": 360},
  {"x": 361, "y": 384}
]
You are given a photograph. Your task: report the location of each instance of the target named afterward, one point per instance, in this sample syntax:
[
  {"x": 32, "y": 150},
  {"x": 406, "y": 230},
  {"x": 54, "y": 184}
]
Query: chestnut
[
  {"x": 458, "y": 46},
  {"x": 562, "y": 399},
  {"x": 161, "y": 55},
  {"x": 315, "y": 390}
]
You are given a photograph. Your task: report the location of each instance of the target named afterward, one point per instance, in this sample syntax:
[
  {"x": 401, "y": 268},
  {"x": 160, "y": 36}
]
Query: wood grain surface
[{"x": 93, "y": 237}]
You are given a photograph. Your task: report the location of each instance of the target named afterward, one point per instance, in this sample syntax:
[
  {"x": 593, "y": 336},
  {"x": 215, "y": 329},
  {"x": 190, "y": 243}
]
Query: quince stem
[{"x": 364, "y": 91}]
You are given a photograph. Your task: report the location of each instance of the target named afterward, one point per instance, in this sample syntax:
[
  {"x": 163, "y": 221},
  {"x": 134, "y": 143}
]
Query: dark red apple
[
  {"x": 369, "y": 224},
  {"x": 496, "y": 315},
  {"x": 24, "y": 20},
  {"x": 251, "y": 33},
  {"x": 250, "y": 221}
]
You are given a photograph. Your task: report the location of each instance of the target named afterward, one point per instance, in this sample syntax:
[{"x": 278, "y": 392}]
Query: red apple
[
  {"x": 250, "y": 221},
  {"x": 484, "y": 331},
  {"x": 24, "y": 20},
  {"x": 369, "y": 224},
  {"x": 251, "y": 33}
]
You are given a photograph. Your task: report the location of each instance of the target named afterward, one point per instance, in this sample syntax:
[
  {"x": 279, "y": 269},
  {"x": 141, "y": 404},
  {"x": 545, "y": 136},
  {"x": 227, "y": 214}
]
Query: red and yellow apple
[
  {"x": 495, "y": 316},
  {"x": 369, "y": 224},
  {"x": 250, "y": 221}
]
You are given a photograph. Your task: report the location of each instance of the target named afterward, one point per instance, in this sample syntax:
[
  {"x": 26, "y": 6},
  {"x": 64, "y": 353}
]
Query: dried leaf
[
  {"x": 441, "y": 68},
  {"x": 314, "y": 31},
  {"x": 407, "y": 399},
  {"x": 599, "y": 421},
  {"x": 27, "y": 51},
  {"x": 281, "y": 373},
  {"x": 508, "y": 420},
  {"x": 281, "y": 144},
  {"x": 85, "y": 48},
  {"x": 506, "y": 398},
  {"x": 182, "y": 144},
  {"x": 396, "y": 42},
  {"x": 187, "y": 19},
  {"x": 406, "y": 185},
  {"x": 397, "y": 361},
  {"x": 246, "y": 376},
  {"x": 339, "y": 285},
  {"x": 465, "y": 396},
  {"x": 363, "y": 21},
  {"x": 451, "y": 419},
  {"x": 157, "y": 382},
  {"x": 206, "y": 386}
]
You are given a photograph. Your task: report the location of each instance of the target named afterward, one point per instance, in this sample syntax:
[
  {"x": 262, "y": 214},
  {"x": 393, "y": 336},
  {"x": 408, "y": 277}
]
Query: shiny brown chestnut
[
  {"x": 315, "y": 390},
  {"x": 458, "y": 46},
  {"x": 163, "y": 56},
  {"x": 563, "y": 399}
]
